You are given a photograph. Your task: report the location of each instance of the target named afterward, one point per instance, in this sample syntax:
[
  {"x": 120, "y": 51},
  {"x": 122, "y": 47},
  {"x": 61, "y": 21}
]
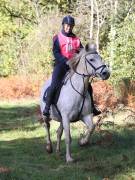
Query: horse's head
[
  {"x": 93, "y": 63},
  {"x": 89, "y": 63}
]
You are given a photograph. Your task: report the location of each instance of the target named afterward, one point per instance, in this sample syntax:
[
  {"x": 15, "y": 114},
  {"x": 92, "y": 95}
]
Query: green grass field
[{"x": 23, "y": 155}]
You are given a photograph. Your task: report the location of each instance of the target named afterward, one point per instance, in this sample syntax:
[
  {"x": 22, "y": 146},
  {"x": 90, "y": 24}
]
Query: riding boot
[
  {"x": 48, "y": 101},
  {"x": 96, "y": 111}
]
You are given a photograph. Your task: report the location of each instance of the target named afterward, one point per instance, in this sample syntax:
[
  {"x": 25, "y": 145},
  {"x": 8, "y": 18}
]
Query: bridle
[
  {"x": 102, "y": 67},
  {"x": 86, "y": 75}
]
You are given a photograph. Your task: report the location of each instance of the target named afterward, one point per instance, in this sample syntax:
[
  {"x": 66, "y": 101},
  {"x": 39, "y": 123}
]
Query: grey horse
[{"x": 74, "y": 102}]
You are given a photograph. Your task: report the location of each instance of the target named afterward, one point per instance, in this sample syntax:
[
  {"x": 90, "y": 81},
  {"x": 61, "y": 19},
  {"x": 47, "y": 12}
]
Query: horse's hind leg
[
  {"x": 49, "y": 148},
  {"x": 59, "y": 134},
  {"x": 88, "y": 120}
]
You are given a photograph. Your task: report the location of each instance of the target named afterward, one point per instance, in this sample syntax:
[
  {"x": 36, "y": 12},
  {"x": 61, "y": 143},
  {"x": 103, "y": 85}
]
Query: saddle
[{"x": 56, "y": 96}]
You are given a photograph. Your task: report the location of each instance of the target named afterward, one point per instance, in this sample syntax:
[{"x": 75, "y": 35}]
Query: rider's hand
[{"x": 67, "y": 63}]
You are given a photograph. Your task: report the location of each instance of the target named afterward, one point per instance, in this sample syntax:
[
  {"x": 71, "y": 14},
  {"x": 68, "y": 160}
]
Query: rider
[{"x": 65, "y": 45}]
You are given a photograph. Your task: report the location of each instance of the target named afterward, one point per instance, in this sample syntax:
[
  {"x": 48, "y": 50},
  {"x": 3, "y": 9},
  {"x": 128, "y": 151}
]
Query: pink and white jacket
[{"x": 68, "y": 45}]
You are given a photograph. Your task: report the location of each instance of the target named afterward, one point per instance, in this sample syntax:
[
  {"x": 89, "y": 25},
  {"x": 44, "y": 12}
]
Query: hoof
[{"x": 49, "y": 148}]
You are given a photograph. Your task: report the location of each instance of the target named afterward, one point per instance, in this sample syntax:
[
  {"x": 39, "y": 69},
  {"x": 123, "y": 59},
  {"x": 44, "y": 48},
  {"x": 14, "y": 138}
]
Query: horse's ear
[{"x": 91, "y": 47}]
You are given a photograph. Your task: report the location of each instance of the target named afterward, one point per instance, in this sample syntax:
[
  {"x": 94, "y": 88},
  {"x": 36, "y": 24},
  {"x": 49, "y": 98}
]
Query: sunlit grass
[{"x": 23, "y": 155}]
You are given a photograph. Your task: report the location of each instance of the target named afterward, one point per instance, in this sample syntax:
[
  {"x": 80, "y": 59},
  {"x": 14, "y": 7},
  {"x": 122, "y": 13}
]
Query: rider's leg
[
  {"x": 57, "y": 76},
  {"x": 48, "y": 102},
  {"x": 96, "y": 111}
]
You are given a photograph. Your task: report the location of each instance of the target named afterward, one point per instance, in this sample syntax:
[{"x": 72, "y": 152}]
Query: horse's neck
[{"x": 79, "y": 82}]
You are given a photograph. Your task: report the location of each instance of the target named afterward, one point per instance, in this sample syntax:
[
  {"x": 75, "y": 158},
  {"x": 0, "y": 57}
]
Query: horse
[{"x": 74, "y": 102}]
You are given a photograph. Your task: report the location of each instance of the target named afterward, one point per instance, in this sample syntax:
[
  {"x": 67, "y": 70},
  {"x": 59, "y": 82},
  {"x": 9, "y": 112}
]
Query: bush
[
  {"x": 123, "y": 62},
  {"x": 36, "y": 56}
]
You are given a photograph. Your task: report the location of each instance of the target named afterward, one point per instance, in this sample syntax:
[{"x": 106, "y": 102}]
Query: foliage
[
  {"x": 22, "y": 24},
  {"x": 27, "y": 29},
  {"x": 36, "y": 56},
  {"x": 124, "y": 45},
  {"x": 13, "y": 28}
]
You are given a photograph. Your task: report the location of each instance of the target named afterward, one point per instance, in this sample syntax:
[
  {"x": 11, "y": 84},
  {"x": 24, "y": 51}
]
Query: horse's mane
[{"x": 73, "y": 62}]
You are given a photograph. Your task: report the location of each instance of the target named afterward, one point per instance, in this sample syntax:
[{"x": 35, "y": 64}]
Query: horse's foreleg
[
  {"x": 88, "y": 120},
  {"x": 49, "y": 148},
  {"x": 66, "y": 126},
  {"x": 59, "y": 134}
]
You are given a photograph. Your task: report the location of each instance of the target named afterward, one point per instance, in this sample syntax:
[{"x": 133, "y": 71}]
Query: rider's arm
[{"x": 57, "y": 52}]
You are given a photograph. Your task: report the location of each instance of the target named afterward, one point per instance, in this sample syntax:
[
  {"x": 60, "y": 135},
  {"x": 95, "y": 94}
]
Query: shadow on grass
[
  {"x": 18, "y": 117},
  {"x": 27, "y": 158}
]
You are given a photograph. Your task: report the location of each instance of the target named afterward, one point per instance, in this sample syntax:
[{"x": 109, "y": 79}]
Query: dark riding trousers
[{"x": 58, "y": 74}]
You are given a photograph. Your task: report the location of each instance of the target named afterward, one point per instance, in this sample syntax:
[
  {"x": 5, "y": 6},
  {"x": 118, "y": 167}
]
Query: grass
[{"x": 23, "y": 155}]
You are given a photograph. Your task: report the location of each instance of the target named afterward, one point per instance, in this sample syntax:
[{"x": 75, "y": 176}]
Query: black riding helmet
[{"x": 68, "y": 20}]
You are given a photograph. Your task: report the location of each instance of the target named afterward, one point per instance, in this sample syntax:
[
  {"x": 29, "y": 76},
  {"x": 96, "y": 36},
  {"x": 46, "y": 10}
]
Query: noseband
[
  {"x": 102, "y": 67},
  {"x": 87, "y": 61}
]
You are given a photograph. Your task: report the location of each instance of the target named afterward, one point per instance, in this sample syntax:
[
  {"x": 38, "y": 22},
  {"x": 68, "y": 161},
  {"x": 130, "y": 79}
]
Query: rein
[
  {"x": 83, "y": 95},
  {"x": 100, "y": 67},
  {"x": 83, "y": 76},
  {"x": 87, "y": 61}
]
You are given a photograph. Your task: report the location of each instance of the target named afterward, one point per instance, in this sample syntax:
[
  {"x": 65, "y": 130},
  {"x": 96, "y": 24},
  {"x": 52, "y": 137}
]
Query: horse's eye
[{"x": 91, "y": 59}]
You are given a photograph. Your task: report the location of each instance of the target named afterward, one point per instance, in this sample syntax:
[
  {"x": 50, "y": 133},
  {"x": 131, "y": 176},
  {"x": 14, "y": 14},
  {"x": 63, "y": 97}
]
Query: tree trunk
[
  {"x": 91, "y": 24},
  {"x": 98, "y": 28}
]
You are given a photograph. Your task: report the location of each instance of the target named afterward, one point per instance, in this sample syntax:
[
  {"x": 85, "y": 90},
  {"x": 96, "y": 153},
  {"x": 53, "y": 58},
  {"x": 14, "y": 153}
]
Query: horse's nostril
[{"x": 104, "y": 73}]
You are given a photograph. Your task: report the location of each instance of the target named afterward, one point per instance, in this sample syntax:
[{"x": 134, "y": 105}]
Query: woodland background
[{"x": 28, "y": 26}]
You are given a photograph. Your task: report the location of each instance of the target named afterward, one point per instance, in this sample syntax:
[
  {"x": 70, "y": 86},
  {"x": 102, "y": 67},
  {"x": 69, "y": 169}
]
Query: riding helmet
[{"x": 68, "y": 20}]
